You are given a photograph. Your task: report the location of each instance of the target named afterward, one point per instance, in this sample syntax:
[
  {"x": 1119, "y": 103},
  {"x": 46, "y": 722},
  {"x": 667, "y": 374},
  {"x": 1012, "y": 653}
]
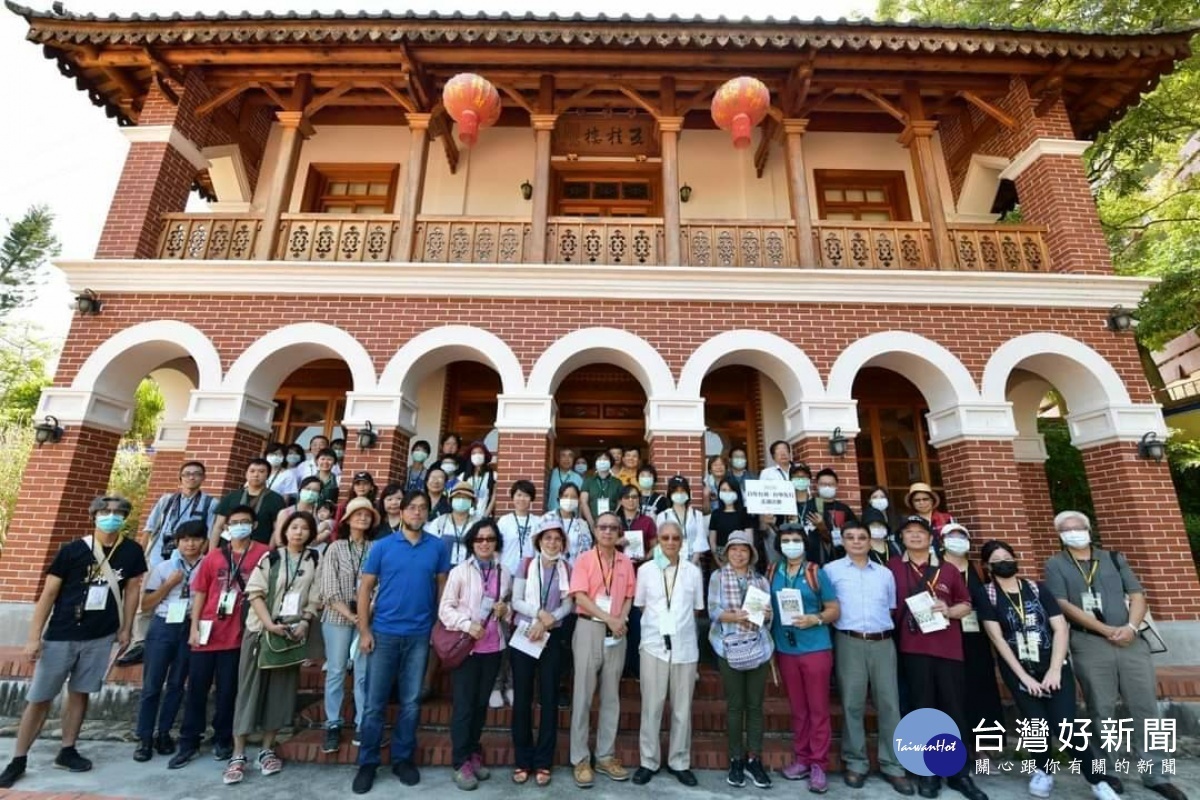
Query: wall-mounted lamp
[
  {"x": 1152, "y": 448},
  {"x": 1120, "y": 319},
  {"x": 367, "y": 437},
  {"x": 88, "y": 302},
  {"x": 48, "y": 432},
  {"x": 527, "y": 190},
  {"x": 837, "y": 443},
  {"x": 685, "y": 193}
]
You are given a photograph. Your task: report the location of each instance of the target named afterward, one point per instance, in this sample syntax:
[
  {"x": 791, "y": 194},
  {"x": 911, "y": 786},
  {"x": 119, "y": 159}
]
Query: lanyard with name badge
[
  {"x": 1090, "y": 598},
  {"x": 666, "y": 622},
  {"x": 177, "y": 609},
  {"x": 1028, "y": 640}
]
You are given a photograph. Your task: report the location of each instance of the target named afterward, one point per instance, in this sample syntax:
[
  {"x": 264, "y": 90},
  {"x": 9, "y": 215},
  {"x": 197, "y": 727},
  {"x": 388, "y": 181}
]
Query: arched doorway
[
  {"x": 469, "y": 404},
  {"x": 311, "y": 401},
  {"x": 892, "y": 447},
  {"x": 733, "y": 410},
  {"x": 600, "y": 406}
]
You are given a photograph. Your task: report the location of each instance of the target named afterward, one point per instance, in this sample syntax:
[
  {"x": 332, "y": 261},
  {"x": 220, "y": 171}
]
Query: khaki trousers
[
  {"x": 595, "y": 664},
  {"x": 660, "y": 678}
]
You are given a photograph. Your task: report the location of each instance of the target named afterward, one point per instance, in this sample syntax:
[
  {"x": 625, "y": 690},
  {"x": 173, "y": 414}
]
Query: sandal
[
  {"x": 543, "y": 777},
  {"x": 235, "y": 772},
  {"x": 520, "y": 776}
]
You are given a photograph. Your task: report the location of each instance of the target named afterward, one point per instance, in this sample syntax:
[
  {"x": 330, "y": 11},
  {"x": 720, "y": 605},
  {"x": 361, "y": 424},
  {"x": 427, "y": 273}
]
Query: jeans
[
  {"x": 397, "y": 660},
  {"x": 205, "y": 669},
  {"x": 165, "y": 662},
  {"x": 548, "y": 672},
  {"x": 744, "y": 693},
  {"x": 472, "y": 683},
  {"x": 1056, "y": 708},
  {"x": 337, "y": 655}
]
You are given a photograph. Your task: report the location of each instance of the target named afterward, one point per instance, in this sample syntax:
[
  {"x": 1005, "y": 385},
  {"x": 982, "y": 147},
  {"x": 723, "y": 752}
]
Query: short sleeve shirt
[
  {"x": 217, "y": 574},
  {"x": 406, "y": 598},
  {"x": 266, "y": 506},
  {"x": 597, "y": 488},
  {"x": 596, "y": 578},
  {"x": 683, "y": 586},
  {"x": 1067, "y": 580},
  {"x": 76, "y": 566},
  {"x": 806, "y": 640},
  {"x": 949, "y": 587},
  {"x": 158, "y": 576},
  {"x": 1037, "y": 606}
]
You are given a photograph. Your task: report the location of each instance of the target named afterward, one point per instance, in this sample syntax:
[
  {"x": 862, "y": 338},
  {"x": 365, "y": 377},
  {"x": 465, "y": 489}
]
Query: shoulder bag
[{"x": 274, "y": 651}]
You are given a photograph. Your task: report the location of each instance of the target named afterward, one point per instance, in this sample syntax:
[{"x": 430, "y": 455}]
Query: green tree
[
  {"x": 28, "y": 245},
  {"x": 148, "y": 407},
  {"x": 24, "y": 356}
]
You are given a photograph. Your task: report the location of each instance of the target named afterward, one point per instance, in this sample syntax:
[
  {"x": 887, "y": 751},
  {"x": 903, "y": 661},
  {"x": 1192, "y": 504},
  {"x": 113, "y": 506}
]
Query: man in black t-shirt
[
  {"x": 266, "y": 504},
  {"x": 88, "y": 604}
]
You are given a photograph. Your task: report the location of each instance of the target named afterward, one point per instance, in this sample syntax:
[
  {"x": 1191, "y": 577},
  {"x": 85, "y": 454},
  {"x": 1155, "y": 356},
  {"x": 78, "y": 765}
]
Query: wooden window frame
[
  {"x": 870, "y": 410},
  {"x": 616, "y": 172},
  {"x": 280, "y": 428},
  {"x": 893, "y": 182},
  {"x": 320, "y": 175}
]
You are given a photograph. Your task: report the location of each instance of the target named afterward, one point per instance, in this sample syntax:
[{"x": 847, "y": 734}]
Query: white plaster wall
[
  {"x": 430, "y": 397},
  {"x": 772, "y": 414},
  {"x": 867, "y": 151},
  {"x": 350, "y": 144},
  {"x": 267, "y": 170},
  {"x": 489, "y": 178},
  {"x": 723, "y": 180}
]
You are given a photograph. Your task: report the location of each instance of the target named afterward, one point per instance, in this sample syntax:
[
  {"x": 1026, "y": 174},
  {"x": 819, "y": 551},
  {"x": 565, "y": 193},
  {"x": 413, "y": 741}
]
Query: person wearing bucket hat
[
  {"x": 339, "y": 574},
  {"x": 744, "y": 652},
  {"x": 481, "y": 478},
  {"x": 983, "y": 701},
  {"x": 362, "y": 485},
  {"x": 923, "y": 501},
  {"x": 452, "y": 528},
  {"x": 931, "y": 658},
  {"x": 542, "y": 601}
]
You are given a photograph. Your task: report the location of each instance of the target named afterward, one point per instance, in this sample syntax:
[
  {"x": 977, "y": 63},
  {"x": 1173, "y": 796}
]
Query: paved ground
[{"x": 117, "y": 775}]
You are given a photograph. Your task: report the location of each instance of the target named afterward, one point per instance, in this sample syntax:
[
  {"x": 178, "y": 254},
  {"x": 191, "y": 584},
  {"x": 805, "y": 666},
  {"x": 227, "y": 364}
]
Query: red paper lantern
[
  {"x": 738, "y": 106},
  {"x": 473, "y": 103}
]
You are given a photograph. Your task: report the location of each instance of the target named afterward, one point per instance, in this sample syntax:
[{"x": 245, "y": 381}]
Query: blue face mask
[
  {"x": 240, "y": 530},
  {"x": 660, "y": 559},
  {"x": 581, "y": 468},
  {"x": 110, "y": 523}
]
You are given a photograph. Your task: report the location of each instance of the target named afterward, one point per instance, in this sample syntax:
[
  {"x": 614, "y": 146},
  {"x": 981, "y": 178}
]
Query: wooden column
[
  {"x": 668, "y": 130},
  {"x": 919, "y": 136},
  {"x": 414, "y": 185},
  {"x": 793, "y": 139},
  {"x": 543, "y": 127},
  {"x": 279, "y": 192}
]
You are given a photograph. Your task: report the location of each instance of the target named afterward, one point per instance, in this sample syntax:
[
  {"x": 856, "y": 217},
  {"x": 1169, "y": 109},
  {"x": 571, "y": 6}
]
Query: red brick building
[{"x": 603, "y": 266}]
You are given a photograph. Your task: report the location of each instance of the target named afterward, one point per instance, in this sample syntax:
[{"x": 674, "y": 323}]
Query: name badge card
[
  {"x": 485, "y": 608},
  {"x": 291, "y": 605},
  {"x": 602, "y": 505},
  {"x": 97, "y": 598},
  {"x": 227, "y": 602},
  {"x": 1027, "y": 646},
  {"x": 666, "y": 621},
  {"x": 1092, "y": 604},
  {"x": 970, "y": 623},
  {"x": 176, "y": 611},
  {"x": 204, "y": 630},
  {"x": 604, "y": 603}
]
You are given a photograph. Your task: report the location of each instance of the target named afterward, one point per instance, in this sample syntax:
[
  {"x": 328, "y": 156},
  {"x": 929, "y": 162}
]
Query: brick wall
[
  {"x": 1039, "y": 512},
  {"x": 522, "y": 456},
  {"x": 164, "y": 478},
  {"x": 1137, "y": 513},
  {"x": 679, "y": 455},
  {"x": 814, "y": 451},
  {"x": 983, "y": 491},
  {"x": 59, "y": 483},
  {"x": 225, "y": 453},
  {"x": 387, "y": 461}
]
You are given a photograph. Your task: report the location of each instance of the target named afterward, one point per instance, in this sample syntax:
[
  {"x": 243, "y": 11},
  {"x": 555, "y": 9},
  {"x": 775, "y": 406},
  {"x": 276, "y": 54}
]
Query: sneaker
[
  {"x": 69, "y": 759},
  {"x": 481, "y": 772},
  {"x": 757, "y": 774},
  {"x": 164, "y": 745},
  {"x": 13, "y": 772},
  {"x": 364, "y": 779},
  {"x": 508, "y": 697},
  {"x": 268, "y": 762},
  {"x": 794, "y": 771},
  {"x": 584, "y": 777},
  {"x": 464, "y": 777},
  {"x": 612, "y": 768},
  {"x": 407, "y": 772},
  {"x": 817, "y": 782},
  {"x": 181, "y": 759},
  {"x": 357, "y": 742},
  {"x": 144, "y": 751},
  {"x": 737, "y": 773},
  {"x": 333, "y": 740},
  {"x": 1041, "y": 784},
  {"x": 496, "y": 700},
  {"x": 1102, "y": 791},
  {"x": 235, "y": 772}
]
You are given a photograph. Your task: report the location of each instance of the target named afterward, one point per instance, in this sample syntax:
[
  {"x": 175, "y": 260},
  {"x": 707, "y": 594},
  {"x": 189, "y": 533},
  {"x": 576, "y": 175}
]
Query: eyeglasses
[
  {"x": 670, "y": 538},
  {"x": 417, "y": 507},
  {"x": 191, "y": 473},
  {"x": 608, "y": 527},
  {"x": 485, "y": 540}
]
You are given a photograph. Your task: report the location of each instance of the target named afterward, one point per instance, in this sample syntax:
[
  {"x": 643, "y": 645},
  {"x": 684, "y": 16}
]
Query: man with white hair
[{"x": 1111, "y": 660}]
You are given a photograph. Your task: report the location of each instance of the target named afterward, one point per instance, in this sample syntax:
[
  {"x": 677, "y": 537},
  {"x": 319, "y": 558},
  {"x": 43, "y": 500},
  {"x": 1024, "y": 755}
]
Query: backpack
[{"x": 810, "y": 575}]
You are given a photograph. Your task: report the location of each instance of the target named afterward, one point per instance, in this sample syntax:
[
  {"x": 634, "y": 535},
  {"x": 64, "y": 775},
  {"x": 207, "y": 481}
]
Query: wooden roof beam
[
  {"x": 419, "y": 84},
  {"x": 771, "y": 131},
  {"x": 890, "y": 109},
  {"x": 818, "y": 101},
  {"x": 1054, "y": 76},
  {"x": 316, "y": 104},
  {"x": 208, "y": 106},
  {"x": 515, "y": 96},
  {"x": 989, "y": 109},
  {"x": 440, "y": 127},
  {"x": 404, "y": 102},
  {"x": 640, "y": 100}
]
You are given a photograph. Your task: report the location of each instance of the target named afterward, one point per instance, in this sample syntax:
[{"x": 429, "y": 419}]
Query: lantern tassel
[
  {"x": 741, "y": 131},
  {"x": 468, "y": 128}
]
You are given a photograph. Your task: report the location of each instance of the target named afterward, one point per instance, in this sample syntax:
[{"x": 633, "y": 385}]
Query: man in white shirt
[
  {"x": 781, "y": 457},
  {"x": 670, "y": 590}
]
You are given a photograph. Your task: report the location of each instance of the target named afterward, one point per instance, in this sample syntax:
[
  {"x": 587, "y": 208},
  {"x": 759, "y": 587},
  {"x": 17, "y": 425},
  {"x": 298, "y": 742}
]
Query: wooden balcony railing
[
  {"x": 739, "y": 243},
  {"x": 578, "y": 240},
  {"x": 471, "y": 240},
  {"x": 336, "y": 237},
  {"x": 873, "y": 245},
  {"x": 1000, "y": 248},
  {"x": 209, "y": 237},
  {"x": 1179, "y": 393}
]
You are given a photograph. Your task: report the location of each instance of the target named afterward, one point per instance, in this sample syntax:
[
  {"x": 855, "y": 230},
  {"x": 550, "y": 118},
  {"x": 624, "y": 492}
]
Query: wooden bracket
[
  {"x": 772, "y": 130},
  {"x": 989, "y": 109},
  {"x": 637, "y": 97},
  {"x": 401, "y": 100},
  {"x": 899, "y": 115},
  {"x": 440, "y": 127},
  {"x": 516, "y": 97}
]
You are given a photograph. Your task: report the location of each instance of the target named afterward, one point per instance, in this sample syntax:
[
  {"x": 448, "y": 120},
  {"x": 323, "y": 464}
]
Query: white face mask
[
  {"x": 792, "y": 549},
  {"x": 461, "y": 504},
  {"x": 739, "y": 463},
  {"x": 827, "y": 492},
  {"x": 477, "y": 459},
  {"x": 603, "y": 465},
  {"x": 679, "y": 498},
  {"x": 1076, "y": 538},
  {"x": 449, "y": 467},
  {"x": 729, "y": 497},
  {"x": 878, "y": 532},
  {"x": 956, "y": 545},
  {"x": 275, "y": 459},
  {"x": 879, "y": 503},
  {"x": 569, "y": 504}
]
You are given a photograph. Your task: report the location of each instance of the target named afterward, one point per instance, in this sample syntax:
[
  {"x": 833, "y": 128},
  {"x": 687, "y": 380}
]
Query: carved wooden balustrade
[
  {"x": 1000, "y": 248},
  {"x": 471, "y": 240},
  {"x": 873, "y": 245},
  {"x": 208, "y": 237},
  {"x": 579, "y": 240},
  {"x": 739, "y": 243},
  {"x": 336, "y": 237}
]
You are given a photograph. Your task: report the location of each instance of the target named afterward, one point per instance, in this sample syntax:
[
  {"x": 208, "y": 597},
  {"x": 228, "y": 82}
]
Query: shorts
[{"x": 81, "y": 665}]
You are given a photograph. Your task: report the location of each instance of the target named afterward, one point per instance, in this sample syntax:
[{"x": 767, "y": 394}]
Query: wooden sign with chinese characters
[{"x": 602, "y": 135}]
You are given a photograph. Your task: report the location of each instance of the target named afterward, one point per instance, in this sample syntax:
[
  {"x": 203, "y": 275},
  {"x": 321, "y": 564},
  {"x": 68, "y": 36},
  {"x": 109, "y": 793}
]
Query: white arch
[
  {"x": 438, "y": 347},
  {"x": 115, "y": 368},
  {"x": 1084, "y": 378},
  {"x": 937, "y": 372},
  {"x": 265, "y": 364},
  {"x": 776, "y": 357},
  {"x": 602, "y": 345}
]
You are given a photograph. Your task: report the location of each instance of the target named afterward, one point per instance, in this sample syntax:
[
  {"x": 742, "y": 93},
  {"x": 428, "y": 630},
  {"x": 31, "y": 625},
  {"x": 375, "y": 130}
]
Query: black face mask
[{"x": 1004, "y": 569}]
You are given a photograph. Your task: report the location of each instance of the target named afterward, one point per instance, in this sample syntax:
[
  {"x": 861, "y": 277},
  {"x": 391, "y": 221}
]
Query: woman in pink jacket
[{"x": 475, "y": 601}]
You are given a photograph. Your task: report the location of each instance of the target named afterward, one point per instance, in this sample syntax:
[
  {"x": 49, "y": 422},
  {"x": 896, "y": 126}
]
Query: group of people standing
[{"x": 612, "y": 579}]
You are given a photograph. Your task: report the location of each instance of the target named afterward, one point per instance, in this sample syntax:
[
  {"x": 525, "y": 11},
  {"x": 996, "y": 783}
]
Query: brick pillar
[
  {"x": 164, "y": 478},
  {"x": 814, "y": 451},
  {"x": 387, "y": 461},
  {"x": 521, "y": 455},
  {"x": 984, "y": 492},
  {"x": 59, "y": 484},
  {"x": 1039, "y": 511},
  {"x": 678, "y": 454},
  {"x": 1137, "y": 512},
  {"x": 157, "y": 175},
  {"x": 224, "y": 451}
]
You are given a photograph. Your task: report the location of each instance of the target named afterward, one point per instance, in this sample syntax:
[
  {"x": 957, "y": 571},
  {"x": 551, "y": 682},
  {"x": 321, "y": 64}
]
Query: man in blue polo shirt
[{"x": 409, "y": 569}]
